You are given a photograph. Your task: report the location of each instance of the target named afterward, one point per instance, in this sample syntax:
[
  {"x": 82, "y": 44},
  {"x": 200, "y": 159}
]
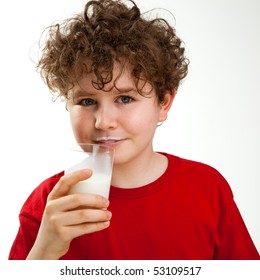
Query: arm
[
  {"x": 236, "y": 243},
  {"x": 68, "y": 216}
]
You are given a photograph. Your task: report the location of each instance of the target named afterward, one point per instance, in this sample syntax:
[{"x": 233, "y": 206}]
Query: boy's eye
[
  {"x": 87, "y": 102},
  {"x": 125, "y": 99}
]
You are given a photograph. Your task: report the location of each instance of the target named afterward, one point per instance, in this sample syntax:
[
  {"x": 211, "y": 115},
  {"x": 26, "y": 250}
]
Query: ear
[{"x": 165, "y": 105}]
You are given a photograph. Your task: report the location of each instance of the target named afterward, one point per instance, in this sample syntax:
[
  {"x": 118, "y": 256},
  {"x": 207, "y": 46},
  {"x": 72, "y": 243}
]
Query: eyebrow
[
  {"x": 127, "y": 89},
  {"x": 81, "y": 92}
]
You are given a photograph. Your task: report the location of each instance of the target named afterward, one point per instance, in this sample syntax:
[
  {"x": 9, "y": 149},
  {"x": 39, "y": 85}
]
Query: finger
[
  {"x": 73, "y": 201},
  {"x": 87, "y": 228},
  {"x": 82, "y": 216},
  {"x": 67, "y": 181}
]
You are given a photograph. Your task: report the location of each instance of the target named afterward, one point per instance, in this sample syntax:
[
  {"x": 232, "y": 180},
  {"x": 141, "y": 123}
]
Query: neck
[{"x": 140, "y": 171}]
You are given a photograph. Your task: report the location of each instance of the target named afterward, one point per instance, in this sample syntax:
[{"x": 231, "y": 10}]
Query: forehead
[{"x": 122, "y": 79}]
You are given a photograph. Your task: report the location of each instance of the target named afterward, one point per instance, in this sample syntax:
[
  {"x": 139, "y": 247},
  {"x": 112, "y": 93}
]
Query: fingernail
[
  {"x": 106, "y": 202},
  {"x": 109, "y": 215},
  {"x": 106, "y": 224},
  {"x": 86, "y": 172}
]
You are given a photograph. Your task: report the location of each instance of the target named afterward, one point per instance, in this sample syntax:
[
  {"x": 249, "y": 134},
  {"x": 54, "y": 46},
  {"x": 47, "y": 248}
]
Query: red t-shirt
[{"x": 188, "y": 213}]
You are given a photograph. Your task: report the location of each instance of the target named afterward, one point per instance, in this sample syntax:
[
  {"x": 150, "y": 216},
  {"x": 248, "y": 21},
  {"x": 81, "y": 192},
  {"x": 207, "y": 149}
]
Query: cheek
[
  {"x": 142, "y": 122},
  {"x": 81, "y": 125}
]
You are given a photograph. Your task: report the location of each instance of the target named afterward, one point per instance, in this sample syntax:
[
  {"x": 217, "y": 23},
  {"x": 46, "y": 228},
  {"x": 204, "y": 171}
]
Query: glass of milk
[{"x": 99, "y": 159}]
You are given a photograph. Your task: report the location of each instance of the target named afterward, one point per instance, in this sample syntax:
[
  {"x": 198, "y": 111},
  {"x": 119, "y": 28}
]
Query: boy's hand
[{"x": 68, "y": 216}]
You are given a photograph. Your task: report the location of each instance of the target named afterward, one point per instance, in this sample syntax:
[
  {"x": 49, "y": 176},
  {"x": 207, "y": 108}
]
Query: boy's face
[{"x": 117, "y": 116}]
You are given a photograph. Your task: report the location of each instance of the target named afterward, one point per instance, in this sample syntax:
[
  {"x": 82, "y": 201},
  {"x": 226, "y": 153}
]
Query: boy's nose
[{"x": 105, "y": 119}]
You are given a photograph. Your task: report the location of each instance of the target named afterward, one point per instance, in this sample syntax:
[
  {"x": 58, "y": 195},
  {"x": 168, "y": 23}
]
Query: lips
[{"x": 109, "y": 141}]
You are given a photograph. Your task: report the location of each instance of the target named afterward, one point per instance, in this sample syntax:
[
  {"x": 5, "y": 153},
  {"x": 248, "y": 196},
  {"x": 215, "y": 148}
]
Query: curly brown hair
[{"x": 110, "y": 31}]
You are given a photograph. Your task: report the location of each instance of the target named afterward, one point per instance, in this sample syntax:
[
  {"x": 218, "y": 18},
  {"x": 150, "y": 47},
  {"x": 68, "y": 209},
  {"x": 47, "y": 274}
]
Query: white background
[{"x": 215, "y": 118}]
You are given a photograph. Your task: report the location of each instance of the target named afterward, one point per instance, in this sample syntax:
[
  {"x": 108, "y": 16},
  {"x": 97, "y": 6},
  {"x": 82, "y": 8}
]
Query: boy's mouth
[{"x": 109, "y": 141}]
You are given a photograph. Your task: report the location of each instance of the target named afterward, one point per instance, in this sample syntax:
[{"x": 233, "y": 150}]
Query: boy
[{"x": 119, "y": 74}]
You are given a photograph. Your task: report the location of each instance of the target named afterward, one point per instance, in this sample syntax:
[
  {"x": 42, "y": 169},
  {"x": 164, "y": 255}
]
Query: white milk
[{"x": 98, "y": 183}]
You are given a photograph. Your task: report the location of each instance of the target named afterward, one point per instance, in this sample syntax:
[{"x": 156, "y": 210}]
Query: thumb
[{"x": 65, "y": 183}]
